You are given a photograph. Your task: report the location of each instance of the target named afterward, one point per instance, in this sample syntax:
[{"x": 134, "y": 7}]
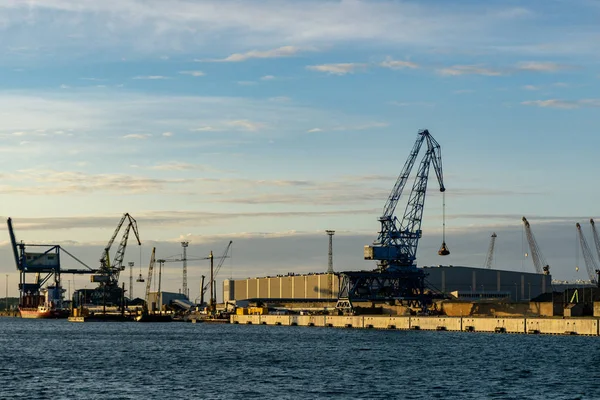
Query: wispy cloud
[
  {"x": 284, "y": 51},
  {"x": 177, "y": 166},
  {"x": 477, "y": 69},
  {"x": 314, "y": 130},
  {"x": 337, "y": 69},
  {"x": 412, "y": 103},
  {"x": 397, "y": 64},
  {"x": 192, "y": 73},
  {"x": 539, "y": 66},
  {"x": 267, "y": 78},
  {"x": 531, "y": 87},
  {"x": 247, "y": 83},
  {"x": 139, "y": 136},
  {"x": 564, "y": 104},
  {"x": 151, "y": 77},
  {"x": 246, "y": 125},
  {"x": 167, "y": 134}
]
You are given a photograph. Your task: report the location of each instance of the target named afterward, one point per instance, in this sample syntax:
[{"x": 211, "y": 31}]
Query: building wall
[{"x": 522, "y": 285}]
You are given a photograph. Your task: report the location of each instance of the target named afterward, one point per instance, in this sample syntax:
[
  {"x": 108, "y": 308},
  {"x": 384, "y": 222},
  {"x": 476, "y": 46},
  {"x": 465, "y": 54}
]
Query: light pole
[{"x": 516, "y": 295}]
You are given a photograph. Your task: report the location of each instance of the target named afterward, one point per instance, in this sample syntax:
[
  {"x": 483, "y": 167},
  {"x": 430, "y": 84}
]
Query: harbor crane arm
[
  {"x": 113, "y": 269},
  {"x": 596, "y": 237},
  {"x": 490, "y": 254},
  {"x": 150, "y": 271},
  {"x": 536, "y": 254},
  {"x": 590, "y": 263},
  {"x": 396, "y": 245},
  {"x": 219, "y": 265}
]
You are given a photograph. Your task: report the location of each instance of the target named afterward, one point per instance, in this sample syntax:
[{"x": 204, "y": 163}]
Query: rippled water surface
[{"x": 56, "y": 359}]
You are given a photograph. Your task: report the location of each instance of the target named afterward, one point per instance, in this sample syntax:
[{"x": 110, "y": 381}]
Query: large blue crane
[
  {"x": 396, "y": 245},
  {"x": 397, "y": 277}
]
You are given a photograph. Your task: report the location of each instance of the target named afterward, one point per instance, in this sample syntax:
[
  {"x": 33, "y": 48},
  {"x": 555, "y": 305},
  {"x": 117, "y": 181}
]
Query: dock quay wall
[{"x": 549, "y": 326}]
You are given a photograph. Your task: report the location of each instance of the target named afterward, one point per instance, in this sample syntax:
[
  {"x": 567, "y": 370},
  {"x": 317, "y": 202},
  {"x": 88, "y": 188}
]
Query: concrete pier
[{"x": 548, "y": 326}]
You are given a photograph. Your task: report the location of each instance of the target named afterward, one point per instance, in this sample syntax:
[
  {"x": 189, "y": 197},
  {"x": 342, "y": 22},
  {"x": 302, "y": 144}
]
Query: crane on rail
[
  {"x": 490, "y": 254},
  {"x": 395, "y": 249},
  {"x": 541, "y": 267},
  {"x": 590, "y": 264}
]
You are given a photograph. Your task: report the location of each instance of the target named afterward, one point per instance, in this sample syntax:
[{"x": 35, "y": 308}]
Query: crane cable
[{"x": 443, "y": 251}]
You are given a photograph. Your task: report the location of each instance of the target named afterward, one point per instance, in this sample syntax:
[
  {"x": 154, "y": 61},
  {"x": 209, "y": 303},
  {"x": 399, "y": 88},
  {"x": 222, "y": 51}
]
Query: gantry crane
[
  {"x": 590, "y": 264},
  {"x": 541, "y": 267},
  {"x": 395, "y": 249},
  {"x": 490, "y": 254}
]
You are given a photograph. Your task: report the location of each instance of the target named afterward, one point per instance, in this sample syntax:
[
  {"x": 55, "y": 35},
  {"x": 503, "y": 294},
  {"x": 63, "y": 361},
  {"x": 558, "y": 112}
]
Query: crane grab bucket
[{"x": 443, "y": 251}]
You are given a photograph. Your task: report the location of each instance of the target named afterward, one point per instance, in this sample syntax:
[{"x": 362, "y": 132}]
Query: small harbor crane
[
  {"x": 395, "y": 249},
  {"x": 590, "y": 264},
  {"x": 596, "y": 237},
  {"x": 541, "y": 267},
  {"x": 489, "y": 259}
]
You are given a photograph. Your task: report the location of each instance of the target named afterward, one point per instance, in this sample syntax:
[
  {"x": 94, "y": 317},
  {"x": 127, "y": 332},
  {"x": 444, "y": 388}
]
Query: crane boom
[
  {"x": 596, "y": 237},
  {"x": 220, "y": 264},
  {"x": 113, "y": 268},
  {"x": 590, "y": 263},
  {"x": 536, "y": 254},
  {"x": 396, "y": 246},
  {"x": 150, "y": 271},
  {"x": 490, "y": 254}
]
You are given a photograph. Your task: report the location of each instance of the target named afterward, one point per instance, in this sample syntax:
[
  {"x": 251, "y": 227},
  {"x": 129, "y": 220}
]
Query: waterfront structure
[{"x": 474, "y": 282}]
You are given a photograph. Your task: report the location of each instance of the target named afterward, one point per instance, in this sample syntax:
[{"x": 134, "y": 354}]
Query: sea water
[{"x": 57, "y": 359}]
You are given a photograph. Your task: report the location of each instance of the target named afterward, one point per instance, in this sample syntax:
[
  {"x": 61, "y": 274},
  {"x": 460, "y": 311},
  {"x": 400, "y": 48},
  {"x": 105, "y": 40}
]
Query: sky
[{"x": 269, "y": 122}]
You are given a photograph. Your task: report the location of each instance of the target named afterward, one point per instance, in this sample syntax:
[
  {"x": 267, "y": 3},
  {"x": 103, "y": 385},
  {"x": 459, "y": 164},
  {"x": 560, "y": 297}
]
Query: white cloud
[
  {"x": 537, "y": 66},
  {"x": 414, "y": 103},
  {"x": 167, "y": 134},
  {"x": 564, "y": 104},
  {"x": 337, "y": 69},
  {"x": 246, "y": 83},
  {"x": 177, "y": 166},
  {"x": 267, "y": 78},
  {"x": 395, "y": 64},
  {"x": 137, "y": 136},
  {"x": 204, "y": 129},
  {"x": 151, "y": 77},
  {"x": 314, "y": 130},
  {"x": 284, "y": 51},
  {"x": 246, "y": 125},
  {"x": 457, "y": 70},
  {"x": 531, "y": 87},
  {"x": 192, "y": 73}
]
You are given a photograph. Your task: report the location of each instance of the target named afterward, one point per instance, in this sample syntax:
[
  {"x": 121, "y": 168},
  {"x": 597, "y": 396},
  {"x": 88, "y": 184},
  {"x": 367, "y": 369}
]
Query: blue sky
[{"x": 268, "y": 122}]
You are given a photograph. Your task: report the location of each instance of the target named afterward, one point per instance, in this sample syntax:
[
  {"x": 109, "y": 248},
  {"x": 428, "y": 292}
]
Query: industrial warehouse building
[{"x": 463, "y": 282}]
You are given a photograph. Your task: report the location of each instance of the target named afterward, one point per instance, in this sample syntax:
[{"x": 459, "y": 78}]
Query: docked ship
[{"x": 47, "y": 304}]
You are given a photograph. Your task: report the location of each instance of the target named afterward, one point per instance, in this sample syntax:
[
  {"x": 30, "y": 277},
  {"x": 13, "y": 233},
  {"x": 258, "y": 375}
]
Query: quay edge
[{"x": 548, "y": 326}]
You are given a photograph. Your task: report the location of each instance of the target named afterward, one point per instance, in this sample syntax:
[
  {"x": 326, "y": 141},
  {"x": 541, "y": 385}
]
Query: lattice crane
[
  {"x": 490, "y": 254},
  {"x": 150, "y": 272},
  {"x": 541, "y": 267},
  {"x": 397, "y": 277},
  {"x": 112, "y": 269},
  {"x": 396, "y": 246},
  {"x": 596, "y": 237},
  {"x": 590, "y": 264}
]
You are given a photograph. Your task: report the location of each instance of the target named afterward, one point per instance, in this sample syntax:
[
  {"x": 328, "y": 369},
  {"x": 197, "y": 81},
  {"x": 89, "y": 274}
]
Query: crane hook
[{"x": 443, "y": 251}]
